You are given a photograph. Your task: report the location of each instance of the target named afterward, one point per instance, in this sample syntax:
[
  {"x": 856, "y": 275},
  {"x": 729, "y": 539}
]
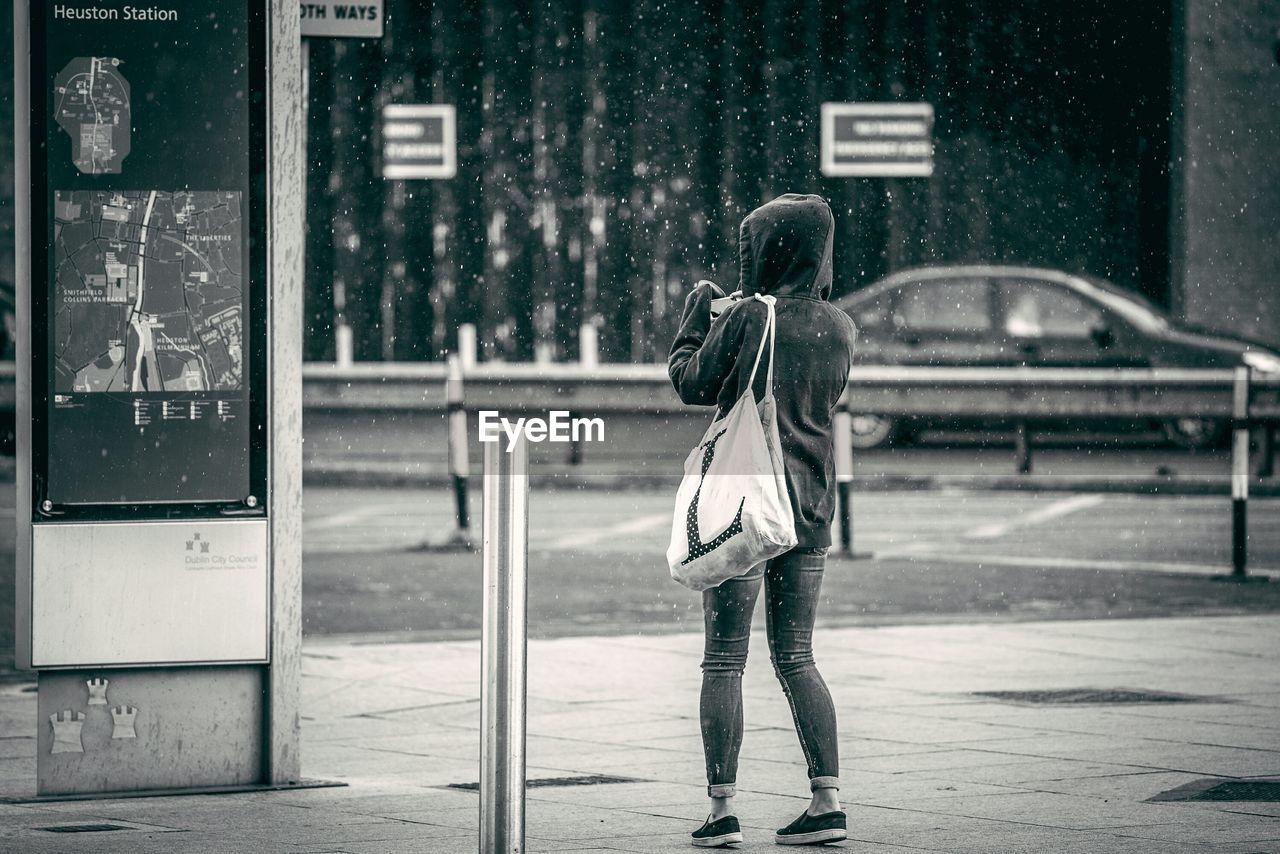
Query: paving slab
[{"x": 927, "y": 765}]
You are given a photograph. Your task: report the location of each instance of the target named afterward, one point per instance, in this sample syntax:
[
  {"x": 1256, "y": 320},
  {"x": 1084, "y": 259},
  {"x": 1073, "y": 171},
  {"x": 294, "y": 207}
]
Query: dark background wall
[
  {"x": 608, "y": 150},
  {"x": 1227, "y": 239}
]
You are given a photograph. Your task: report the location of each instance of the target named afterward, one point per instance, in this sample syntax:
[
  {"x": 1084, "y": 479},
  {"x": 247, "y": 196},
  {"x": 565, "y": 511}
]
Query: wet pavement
[{"x": 928, "y": 762}]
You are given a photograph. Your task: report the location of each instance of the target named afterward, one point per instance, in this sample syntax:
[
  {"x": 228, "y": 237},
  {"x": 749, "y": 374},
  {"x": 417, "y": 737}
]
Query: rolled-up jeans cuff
[
  {"x": 816, "y": 783},
  {"x": 722, "y": 790}
]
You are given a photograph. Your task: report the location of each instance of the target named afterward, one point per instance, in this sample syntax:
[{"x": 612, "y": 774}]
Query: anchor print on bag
[{"x": 697, "y": 548}]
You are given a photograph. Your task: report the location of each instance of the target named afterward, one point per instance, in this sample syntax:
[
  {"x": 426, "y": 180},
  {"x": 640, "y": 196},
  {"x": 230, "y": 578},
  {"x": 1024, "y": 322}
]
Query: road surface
[{"x": 597, "y": 560}]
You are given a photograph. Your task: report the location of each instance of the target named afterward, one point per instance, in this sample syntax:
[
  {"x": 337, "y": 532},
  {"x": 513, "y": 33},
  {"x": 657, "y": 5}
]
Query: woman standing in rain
[{"x": 784, "y": 251}]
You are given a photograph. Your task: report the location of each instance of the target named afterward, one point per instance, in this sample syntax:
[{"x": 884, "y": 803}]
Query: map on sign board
[
  {"x": 148, "y": 294},
  {"x": 91, "y": 103}
]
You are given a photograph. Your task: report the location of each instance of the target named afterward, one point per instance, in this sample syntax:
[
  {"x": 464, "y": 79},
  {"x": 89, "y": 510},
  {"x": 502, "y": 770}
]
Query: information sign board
[
  {"x": 877, "y": 140},
  {"x": 148, "y": 289},
  {"x": 419, "y": 141}
]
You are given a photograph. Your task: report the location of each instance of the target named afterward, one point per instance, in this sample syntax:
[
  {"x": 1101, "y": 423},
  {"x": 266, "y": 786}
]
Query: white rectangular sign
[
  {"x": 147, "y": 593},
  {"x": 334, "y": 19},
  {"x": 885, "y": 140},
  {"x": 419, "y": 141}
]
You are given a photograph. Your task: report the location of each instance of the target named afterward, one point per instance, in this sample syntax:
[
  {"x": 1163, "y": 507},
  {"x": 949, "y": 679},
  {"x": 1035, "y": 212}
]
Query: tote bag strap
[{"x": 770, "y": 325}]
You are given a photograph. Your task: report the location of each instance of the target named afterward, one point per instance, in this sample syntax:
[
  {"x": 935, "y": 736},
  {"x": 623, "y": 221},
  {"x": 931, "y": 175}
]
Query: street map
[
  {"x": 148, "y": 291},
  {"x": 91, "y": 103}
]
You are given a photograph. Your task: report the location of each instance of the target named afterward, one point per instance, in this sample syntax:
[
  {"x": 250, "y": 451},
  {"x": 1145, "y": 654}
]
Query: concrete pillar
[{"x": 286, "y": 183}]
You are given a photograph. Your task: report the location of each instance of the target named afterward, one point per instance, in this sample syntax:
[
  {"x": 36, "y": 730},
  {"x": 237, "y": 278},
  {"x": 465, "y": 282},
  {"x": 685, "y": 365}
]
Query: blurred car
[{"x": 989, "y": 316}]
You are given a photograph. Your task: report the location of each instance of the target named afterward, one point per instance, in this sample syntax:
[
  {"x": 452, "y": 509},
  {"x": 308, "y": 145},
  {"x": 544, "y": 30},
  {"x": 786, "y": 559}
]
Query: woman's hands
[
  {"x": 696, "y": 319},
  {"x": 699, "y": 300},
  {"x": 696, "y": 375}
]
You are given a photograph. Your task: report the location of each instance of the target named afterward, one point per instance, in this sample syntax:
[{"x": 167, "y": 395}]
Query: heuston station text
[{"x": 125, "y": 13}]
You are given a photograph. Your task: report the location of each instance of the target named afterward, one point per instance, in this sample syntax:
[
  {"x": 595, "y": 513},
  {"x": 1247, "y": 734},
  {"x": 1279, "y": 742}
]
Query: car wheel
[
  {"x": 872, "y": 431},
  {"x": 1194, "y": 433}
]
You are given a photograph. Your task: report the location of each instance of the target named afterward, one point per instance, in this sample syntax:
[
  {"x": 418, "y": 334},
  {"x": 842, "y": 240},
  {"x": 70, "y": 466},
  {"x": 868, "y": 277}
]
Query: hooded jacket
[{"x": 784, "y": 249}]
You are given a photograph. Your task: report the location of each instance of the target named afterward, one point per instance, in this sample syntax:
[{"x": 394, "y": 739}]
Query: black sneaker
[
  {"x": 813, "y": 829},
  {"x": 714, "y": 834}
]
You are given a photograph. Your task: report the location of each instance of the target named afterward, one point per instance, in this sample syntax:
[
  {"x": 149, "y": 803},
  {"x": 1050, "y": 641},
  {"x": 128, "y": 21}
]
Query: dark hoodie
[{"x": 785, "y": 250}]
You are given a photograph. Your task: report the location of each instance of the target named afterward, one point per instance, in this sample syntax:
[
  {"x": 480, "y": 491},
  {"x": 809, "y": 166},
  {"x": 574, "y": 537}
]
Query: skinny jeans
[{"x": 791, "y": 583}]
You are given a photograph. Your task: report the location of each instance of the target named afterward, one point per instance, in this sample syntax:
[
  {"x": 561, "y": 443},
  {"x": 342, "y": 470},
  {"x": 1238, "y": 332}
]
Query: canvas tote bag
[{"x": 732, "y": 510}]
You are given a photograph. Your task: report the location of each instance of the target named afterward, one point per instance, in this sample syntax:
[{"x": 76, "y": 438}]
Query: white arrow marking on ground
[
  {"x": 632, "y": 526},
  {"x": 1056, "y": 510}
]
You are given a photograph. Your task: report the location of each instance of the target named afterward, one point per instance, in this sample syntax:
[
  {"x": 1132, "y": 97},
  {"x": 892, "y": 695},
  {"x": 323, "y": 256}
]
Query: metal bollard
[
  {"x": 1240, "y": 475},
  {"x": 459, "y": 463},
  {"x": 1022, "y": 447},
  {"x": 842, "y": 434},
  {"x": 503, "y": 648},
  {"x": 459, "y": 450}
]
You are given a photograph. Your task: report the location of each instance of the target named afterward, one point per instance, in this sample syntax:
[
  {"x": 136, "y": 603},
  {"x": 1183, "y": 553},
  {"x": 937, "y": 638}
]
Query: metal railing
[
  {"x": 1030, "y": 397},
  {"x": 1041, "y": 394},
  {"x": 1036, "y": 393}
]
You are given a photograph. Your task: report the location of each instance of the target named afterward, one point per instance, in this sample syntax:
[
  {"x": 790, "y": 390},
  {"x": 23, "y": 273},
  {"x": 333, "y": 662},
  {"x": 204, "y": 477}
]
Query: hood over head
[{"x": 784, "y": 248}]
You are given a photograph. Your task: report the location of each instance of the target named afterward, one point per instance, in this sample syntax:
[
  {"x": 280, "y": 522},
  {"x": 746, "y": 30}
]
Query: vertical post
[
  {"x": 1266, "y": 451},
  {"x": 343, "y": 338},
  {"x": 589, "y": 359},
  {"x": 287, "y": 179},
  {"x": 459, "y": 456},
  {"x": 589, "y": 346},
  {"x": 455, "y": 397},
  {"x": 842, "y": 436},
  {"x": 1022, "y": 448},
  {"x": 22, "y": 317},
  {"x": 1240, "y": 474},
  {"x": 304, "y": 59},
  {"x": 503, "y": 648},
  {"x": 467, "y": 345}
]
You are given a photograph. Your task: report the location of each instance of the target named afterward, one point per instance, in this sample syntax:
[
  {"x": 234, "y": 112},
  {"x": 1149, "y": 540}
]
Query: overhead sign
[
  {"x": 884, "y": 140},
  {"x": 419, "y": 141},
  {"x": 333, "y": 19}
]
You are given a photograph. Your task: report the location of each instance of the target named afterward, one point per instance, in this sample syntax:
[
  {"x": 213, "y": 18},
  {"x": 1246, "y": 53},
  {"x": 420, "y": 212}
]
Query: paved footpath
[{"x": 927, "y": 764}]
